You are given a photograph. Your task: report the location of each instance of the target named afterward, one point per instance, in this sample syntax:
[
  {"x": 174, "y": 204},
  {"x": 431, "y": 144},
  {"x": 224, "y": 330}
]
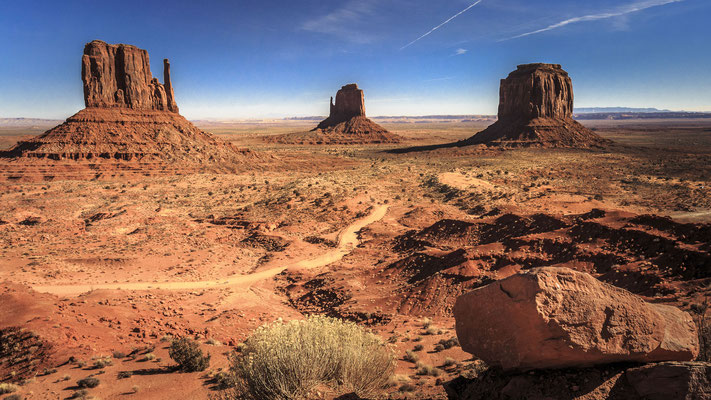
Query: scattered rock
[{"x": 555, "y": 318}]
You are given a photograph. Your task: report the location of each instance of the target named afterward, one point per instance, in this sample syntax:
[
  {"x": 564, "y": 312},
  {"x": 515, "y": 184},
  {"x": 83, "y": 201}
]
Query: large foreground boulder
[{"x": 556, "y": 317}]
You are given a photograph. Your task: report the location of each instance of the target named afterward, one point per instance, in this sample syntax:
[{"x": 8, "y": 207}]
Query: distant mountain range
[
  {"x": 28, "y": 122},
  {"x": 595, "y": 110}
]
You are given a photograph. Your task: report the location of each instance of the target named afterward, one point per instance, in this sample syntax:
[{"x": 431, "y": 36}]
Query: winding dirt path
[{"x": 347, "y": 240}]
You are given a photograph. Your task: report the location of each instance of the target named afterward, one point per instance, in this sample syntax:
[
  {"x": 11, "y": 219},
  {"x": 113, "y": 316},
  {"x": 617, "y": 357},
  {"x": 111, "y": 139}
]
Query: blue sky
[{"x": 273, "y": 58}]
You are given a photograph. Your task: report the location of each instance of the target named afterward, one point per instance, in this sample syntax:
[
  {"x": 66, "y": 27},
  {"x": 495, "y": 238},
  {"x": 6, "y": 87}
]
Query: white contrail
[
  {"x": 440, "y": 25},
  {"x": 593, "y": 17}
]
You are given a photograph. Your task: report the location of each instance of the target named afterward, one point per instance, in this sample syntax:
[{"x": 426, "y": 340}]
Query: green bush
[
  {"x": 188, "y": 355},
  {"x": 291, "y": 360}
]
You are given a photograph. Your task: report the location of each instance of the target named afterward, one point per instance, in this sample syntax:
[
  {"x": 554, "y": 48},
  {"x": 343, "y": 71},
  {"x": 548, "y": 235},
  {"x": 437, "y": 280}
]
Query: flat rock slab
[{"x": 557, "y": 317}]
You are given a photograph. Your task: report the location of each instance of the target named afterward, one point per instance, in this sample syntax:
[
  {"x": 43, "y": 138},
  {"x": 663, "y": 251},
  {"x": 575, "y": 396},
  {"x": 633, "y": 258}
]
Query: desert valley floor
[{"x": 115, "y": 262}]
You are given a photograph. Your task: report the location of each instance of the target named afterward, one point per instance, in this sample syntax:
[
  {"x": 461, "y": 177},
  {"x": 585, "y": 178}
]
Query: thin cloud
[
  {"x": 340, "y": 22},
  {"x": 460, "y": 52},
  {"x": 441, "y": 25},
  {"x": 629, "y": 9}
]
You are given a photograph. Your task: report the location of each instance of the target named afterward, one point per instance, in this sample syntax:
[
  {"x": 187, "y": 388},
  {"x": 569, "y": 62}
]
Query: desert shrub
[
  {"x": 13, "y": 397},
  {"x": 7, "y": 388},
  {"x": 188, "y": 355},
  {"x": 149, "y": 357},
  {"x": 88, "y": 382},
  {"x": 418, "y": 347},
  {"x": 118, "y": 354},
  {"x": 213, "y": 342},
  {"x": 291, "y": 360},
  {"x": 102, "y": 363},
  {"x": 411, "y": 356},
  {"x": 80, "y": 394},
  {"x": 124, "y": 374},
  {"x": 425, "y": 369}
]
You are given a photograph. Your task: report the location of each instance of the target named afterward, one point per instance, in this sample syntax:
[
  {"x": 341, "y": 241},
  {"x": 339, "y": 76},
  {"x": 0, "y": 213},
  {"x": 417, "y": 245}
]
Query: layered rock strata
[{"x": 536, "y": 109}]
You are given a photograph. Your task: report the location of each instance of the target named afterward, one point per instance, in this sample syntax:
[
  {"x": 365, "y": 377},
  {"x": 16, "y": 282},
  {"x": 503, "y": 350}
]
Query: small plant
[
  {"x": 149, "y": 357},
  {"x": 188, "y": 355},
  {"x": 80, "y": 394},
  {"x": 118, "y": 355},
  {"x": 166, "y": 338},
  {"x": 125, "y": 374},
  {"x": 66, "y": 377},
  {"x": 418, "y": 347},
  {"x": 213, "y": 342},
  {"x": 13, "y": 397},
  {"x": 8, "y": 388},
  {"x": 407, "y": 388},
  {"x": 410, "y": 356},
  {"x": 102, "y": 363},
  {"x": 448, "y": 362},
  {"x": 425, "y": 369},
  {"x": 224, "y": 380},
  {"x": 135, "y": 388},
  {"x": 88, "y": 382}
]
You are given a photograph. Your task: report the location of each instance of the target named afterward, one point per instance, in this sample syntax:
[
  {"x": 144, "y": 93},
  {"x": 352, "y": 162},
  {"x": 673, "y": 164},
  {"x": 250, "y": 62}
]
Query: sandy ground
[{"x": 119, "y": 261}]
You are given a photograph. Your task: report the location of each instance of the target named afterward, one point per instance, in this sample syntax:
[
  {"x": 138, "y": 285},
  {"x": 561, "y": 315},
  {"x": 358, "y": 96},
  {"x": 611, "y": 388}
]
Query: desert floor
[{"x": 119, "y": 263}]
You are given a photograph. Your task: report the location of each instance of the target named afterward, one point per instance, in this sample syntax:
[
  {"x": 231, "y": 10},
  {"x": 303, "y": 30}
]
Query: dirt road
[{"x": 347, "y": 240}]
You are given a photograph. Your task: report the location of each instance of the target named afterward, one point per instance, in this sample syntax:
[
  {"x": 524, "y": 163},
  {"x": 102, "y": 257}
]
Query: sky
[{"x": 238, "y": 59}]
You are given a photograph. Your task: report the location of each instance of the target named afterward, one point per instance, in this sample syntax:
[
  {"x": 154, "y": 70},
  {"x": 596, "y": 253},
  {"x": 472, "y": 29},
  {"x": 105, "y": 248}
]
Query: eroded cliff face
[
  {"x": 536, "y": 91},
  {"x": 129, "y": 117},
  {"x": 119, "y": 75},
  {"x": 536, "y": 109},
  {"x": 346, "y": 124}
]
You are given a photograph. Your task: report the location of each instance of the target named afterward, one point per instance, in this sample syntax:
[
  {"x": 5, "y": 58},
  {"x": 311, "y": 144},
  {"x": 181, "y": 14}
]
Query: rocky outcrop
[
  {"x": 672, "y": 380},
  {"x": 536, "y": 109},
  {"x": 350, "y": 103},
  {"x": 346, "y": 124},
  {"x": 658, "y": 381},
  {"x": 555, "y": 318},
  {"x": 119, "y": 75},
  {"x": 130, "y": 116}
]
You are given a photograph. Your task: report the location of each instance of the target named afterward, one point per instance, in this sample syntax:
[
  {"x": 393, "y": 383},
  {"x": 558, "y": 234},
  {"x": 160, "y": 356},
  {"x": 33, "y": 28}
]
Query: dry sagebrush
[{"x": 291, "y": 360}]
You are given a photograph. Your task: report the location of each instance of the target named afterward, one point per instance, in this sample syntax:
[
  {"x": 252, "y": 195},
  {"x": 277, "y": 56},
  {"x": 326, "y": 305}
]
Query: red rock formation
[
  {"x": 130, "y": 116},
  {"x": 346, "y": 124},
  {"x": 535, "y": 109},
  {"x": 350, "y": 103},
  {"x": 556, "y": 317},
  {"x": 119, "y": 75}
]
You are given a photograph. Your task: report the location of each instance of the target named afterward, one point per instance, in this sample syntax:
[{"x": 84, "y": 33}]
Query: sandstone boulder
[
  {"x": 535, "y": 109},
  {"x": 556, "y": 317}
]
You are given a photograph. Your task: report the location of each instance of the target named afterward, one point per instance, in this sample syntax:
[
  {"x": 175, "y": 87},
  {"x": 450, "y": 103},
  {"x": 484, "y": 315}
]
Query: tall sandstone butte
[
  {"x": 346, "y": 124},
  {"x": 536, "y": 109},
  {"x": 119, "y": 75},
  {"x": 129, "y": 115}
]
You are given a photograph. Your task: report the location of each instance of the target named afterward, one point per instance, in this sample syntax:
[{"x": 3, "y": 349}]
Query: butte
[
  {"x": 536, "y": 109},
  {"x": 130, "y": 125},
  {"x": 346, "y": 124}
]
